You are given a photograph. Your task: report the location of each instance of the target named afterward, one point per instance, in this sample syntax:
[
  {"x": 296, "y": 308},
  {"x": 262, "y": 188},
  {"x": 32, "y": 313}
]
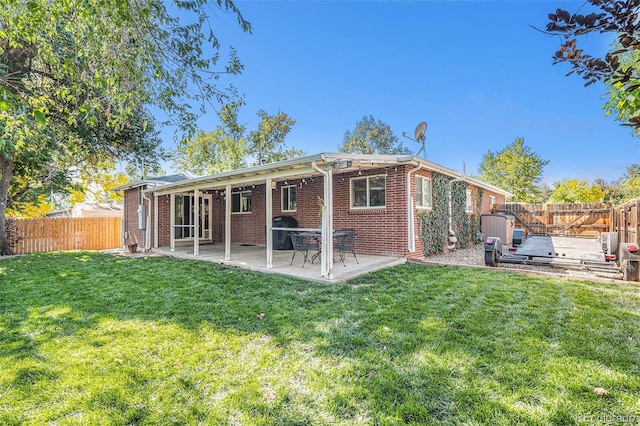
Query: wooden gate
[
  {"x": 579, "y": 219},
  {"x": 626, "y": 221},
  {"x": 56, "y": 234}
]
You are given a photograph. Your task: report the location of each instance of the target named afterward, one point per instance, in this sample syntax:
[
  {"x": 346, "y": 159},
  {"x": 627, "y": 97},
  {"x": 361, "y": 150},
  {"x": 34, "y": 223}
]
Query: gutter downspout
[
  {"x": 411, "y": 238},
  {"x": 326, "y": 260},
  {"x": 147, "y": 229},
  {"x": 123, "y": 223}
]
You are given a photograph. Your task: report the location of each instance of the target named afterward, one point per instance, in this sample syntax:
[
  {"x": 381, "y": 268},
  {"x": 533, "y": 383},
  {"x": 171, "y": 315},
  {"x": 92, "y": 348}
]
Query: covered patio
[
  {"x": 252, "y": 257},
  {"x": 239, "y": 207}
]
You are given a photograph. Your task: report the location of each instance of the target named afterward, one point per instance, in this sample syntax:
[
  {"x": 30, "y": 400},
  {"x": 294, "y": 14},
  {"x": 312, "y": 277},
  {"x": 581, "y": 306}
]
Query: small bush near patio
[{"x": 88, "y": 338}]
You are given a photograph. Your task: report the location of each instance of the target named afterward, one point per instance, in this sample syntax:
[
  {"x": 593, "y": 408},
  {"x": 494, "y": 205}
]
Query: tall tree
[
  {"x": 228, "y": 147},
  {"x": 225, "y": 148},
  {"x": 372, "y": 136},
  {"x": 612, "y": 191},
  {"x": 619, "y": 68},
  {"x": 576, "y": 191},
  {"x": 630, "y": 182},
  {"x": 266, "y": 143},
  {"x": 78, "y": 79},
  {"x": 515, "y": 168}
]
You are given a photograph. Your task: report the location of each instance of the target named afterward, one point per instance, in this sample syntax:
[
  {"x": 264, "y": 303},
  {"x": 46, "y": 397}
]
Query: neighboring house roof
[
  {"x": 152, "y": 181},
  {"x": 306, "y": 166},
  {"x": 59, "y": 213},
  {"x": 91, "y": 209}
]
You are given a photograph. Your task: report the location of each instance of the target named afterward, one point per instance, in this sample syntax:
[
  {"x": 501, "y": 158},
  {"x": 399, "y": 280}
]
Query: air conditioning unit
[{"x": 609, "y": 241}]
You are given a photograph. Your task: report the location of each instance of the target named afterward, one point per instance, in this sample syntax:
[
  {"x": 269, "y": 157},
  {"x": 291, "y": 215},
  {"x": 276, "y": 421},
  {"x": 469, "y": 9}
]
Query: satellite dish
[
  {"x": 419, "y": 133},
  {"x": 419, "y": 137},
  {"x": 420, "y": 129}
]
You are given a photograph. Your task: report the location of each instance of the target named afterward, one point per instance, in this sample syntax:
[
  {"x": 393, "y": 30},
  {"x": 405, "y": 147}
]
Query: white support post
[
  {"x": 227, "y": 223},
  {"x": 155, "y": 220},
  {"x": 411, "y": 231},
  {"x": 196, "y": 222},
  {"x": 327, "y": 229},
  {"x": 411, "y": 237},
  {"x": 172, "y": 223},
  {"x": 269, "y": 220},
  {"x": 326, "y": 261}
]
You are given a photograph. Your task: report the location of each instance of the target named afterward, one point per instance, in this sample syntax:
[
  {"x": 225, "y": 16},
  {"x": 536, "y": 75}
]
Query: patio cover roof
[{"x": 303, "y": 167}]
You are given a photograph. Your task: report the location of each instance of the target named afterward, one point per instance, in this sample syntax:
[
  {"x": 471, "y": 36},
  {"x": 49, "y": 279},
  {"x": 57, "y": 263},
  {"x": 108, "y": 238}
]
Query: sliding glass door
[{"x": 183, "y": 227}]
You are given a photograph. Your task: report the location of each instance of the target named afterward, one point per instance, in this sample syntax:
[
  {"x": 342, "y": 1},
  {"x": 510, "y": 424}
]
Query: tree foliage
[
  {"x": 434, "y": 224},
  {"x": 266, "y": 143},
  {"x": 224, "y": 148},
  {"x": 630, "y": 182},
  {"x": 576, "y": 191},
  {"x": 228, "y": 146},
  {"x": 612, "y": 192},
  {"x": 372, "y": 136},
  {"x": 515, "y": 168},
  {"x": 619, "y": 67},
  {"x": 78, "y": 79}
]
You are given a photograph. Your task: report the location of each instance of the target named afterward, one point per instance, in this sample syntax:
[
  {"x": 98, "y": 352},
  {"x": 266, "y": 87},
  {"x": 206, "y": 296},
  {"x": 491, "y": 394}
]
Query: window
[
  {"x": 423, "y": 192},
  {"x": 241, "y": 202},
  {"x": 469, "y": 204},
  {"x": 368, "y": 191},
  {"x": 492, "y": 200},
  {"x": 289, "y": 198}
]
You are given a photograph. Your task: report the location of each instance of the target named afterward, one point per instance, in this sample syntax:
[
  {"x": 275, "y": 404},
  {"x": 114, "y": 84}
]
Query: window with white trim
[
  {"x": 492, "y": 199},
  {"x": 469, "y": 203},
  {"x": 289, "y": 198},
  {"x": 241, "y": 202},
  {"x": 368, "y": 191},
  {"x": 423, "y": 192}
]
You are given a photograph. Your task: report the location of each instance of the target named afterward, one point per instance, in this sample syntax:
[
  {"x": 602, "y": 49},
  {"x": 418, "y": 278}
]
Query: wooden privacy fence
[
  {"x": 626, "y": 221},
  {"x": 55, "y": 234},
  {"x": 579, "y": 219}
]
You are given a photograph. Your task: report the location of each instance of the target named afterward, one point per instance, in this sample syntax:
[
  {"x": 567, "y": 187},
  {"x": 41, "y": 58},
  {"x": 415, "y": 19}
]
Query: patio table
[{"x": 316, "y": 245}]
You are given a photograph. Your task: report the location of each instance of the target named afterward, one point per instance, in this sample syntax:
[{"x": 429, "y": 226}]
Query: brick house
[{"x": 380, "y": 196}]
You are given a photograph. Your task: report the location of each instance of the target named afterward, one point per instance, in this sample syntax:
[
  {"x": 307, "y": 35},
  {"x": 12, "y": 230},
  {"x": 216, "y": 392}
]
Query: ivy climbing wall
[{"x": 449, "y": 211}]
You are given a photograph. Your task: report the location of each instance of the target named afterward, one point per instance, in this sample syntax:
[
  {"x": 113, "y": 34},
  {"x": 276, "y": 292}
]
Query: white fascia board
[
  {"x": 278, "y": 170},
  {"x": 138, "y": 183},
  {"x": 239, "y": 178}
]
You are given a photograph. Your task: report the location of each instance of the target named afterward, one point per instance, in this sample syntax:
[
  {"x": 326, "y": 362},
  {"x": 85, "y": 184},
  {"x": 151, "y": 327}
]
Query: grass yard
[{"x": 88, "y": 338}]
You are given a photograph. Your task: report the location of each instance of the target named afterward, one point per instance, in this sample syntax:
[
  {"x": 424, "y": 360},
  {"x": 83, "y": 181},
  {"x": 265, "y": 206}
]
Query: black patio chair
[
  {"x": 345, "y": 242},
  {"x": 306, "y": 244}
]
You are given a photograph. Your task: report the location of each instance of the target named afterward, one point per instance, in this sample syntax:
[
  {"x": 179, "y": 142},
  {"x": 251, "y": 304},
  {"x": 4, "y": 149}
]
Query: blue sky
[{"x": 475, "y": 71}]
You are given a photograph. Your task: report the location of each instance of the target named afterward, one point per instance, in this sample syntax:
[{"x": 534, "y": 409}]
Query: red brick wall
[
  {"x": 380, "y": 231},
  {"x": 416, "y": 213},
  {"x": 308, "y": 198},
  {"x": 486, "y": 207},
  {"x": 164, "y": 221},
  {"x": 132, "y": 198},
  {"x": 248, "y": 228}
]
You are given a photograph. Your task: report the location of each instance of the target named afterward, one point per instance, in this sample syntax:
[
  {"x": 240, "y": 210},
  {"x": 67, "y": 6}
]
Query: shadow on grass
[{"x": 412, "y": 344}]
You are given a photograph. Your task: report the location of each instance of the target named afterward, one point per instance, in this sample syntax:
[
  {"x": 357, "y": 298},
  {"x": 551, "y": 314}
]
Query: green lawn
[{"x": 87, "y": 338}]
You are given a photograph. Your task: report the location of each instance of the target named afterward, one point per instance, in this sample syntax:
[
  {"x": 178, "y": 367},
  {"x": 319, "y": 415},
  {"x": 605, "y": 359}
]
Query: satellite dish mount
[{"x": 419, "y": 138}]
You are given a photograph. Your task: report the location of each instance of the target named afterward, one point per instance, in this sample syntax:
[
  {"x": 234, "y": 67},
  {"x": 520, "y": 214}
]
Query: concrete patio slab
[{"x": 254, "y": 257}]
